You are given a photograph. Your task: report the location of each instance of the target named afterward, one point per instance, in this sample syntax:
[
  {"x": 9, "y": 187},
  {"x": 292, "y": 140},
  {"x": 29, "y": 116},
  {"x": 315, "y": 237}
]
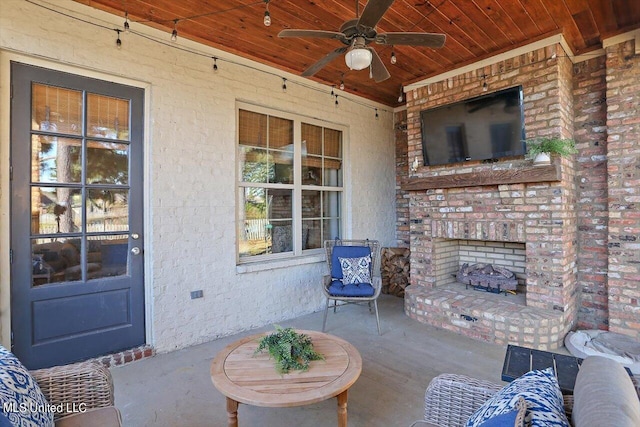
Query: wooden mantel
[{"x": 491, "y": 177}]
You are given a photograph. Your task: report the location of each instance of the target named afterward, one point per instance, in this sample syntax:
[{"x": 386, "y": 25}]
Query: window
[{"x": 289, "y": 184}]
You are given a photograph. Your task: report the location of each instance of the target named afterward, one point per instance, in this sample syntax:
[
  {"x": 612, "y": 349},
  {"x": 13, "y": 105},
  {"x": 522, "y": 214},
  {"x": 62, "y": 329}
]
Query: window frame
[{"x": 296, "y": 187}]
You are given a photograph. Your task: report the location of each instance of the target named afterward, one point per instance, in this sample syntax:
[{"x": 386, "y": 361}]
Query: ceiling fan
[{"x": 357, "y": 34}]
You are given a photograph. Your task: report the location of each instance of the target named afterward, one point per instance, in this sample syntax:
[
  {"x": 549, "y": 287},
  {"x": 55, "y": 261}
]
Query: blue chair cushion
[
  {"x": 345, "y": 252},
  {"x": 339, "y": 289}
]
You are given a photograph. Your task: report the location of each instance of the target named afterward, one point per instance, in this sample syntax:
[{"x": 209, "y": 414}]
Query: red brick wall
[
  {"x": 402, "y": 171},
  {"x": 623, "y": 145},
  {"x": 589, "y": 222},
  {"x": 543, "y": 214},
  {"x": 589, "y": 94}
]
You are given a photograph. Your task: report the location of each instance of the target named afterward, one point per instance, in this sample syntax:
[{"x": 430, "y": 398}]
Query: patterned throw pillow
[
  {"x": 514, "y": 418},
  {"x": 543, "y": 397},
  {"x": 356, "y": 270},
  {"x": 23, "y": 403}
]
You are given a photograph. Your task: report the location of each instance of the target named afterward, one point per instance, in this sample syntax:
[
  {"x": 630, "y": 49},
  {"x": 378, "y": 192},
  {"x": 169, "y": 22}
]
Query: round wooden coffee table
[{"x": 253, "y": 380}]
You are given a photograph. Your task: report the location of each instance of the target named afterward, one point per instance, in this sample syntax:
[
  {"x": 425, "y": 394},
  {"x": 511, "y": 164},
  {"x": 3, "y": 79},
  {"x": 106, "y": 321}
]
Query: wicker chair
[
  {"x": 85, "y": 392},
  {"x": 376, "y": 280},
  {"x": 451, "y": 399}
]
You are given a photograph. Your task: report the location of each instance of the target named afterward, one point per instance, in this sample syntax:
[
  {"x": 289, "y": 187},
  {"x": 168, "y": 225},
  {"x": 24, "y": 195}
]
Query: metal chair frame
[{"x": 376, "y": 280}]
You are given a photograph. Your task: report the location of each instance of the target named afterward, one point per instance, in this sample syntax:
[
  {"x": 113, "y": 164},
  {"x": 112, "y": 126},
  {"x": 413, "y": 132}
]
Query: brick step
[{"x": 497, "y": 318}]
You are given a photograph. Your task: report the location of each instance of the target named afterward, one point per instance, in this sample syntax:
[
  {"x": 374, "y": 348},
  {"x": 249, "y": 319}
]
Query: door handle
[{"x": 135, "y": 250}]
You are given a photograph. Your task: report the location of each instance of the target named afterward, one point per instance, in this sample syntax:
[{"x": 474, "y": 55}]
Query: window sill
[{"x": 251, "y": 267}]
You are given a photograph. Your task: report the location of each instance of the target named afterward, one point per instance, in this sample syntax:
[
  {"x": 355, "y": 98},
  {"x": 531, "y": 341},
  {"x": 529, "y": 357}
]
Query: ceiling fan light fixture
[{"x": 358, "y": 58}]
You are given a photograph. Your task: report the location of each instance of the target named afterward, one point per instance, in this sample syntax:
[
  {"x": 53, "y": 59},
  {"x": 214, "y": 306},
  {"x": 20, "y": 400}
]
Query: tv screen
[{"x": 487, "y": 127}]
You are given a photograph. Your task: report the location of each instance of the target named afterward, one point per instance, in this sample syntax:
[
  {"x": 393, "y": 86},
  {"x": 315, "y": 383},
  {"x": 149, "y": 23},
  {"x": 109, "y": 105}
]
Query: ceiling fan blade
[
  {"x": 324, "y": 61},
  {"x": 412, "y": 39},
  {"x": 317, "y": 34},
  {"x": 373, "y": 12},
  {"x": 378, "y": 70}
]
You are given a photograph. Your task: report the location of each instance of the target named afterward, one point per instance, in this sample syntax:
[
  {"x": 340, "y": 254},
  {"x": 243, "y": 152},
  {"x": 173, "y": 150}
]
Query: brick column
[
  {"x": 623, "y": 144},
  {"x": 589, "y": 95}
]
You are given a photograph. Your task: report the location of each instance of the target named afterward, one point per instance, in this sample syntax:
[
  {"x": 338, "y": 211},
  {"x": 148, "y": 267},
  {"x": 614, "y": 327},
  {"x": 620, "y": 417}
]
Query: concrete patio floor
[{"x": 175, "y": 389}]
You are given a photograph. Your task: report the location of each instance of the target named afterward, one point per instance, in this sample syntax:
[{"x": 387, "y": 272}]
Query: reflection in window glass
[
  {"x": 258, "y": 165},
  {"x": 56, "y": 159},
  {"x": 107, "y": 210},
  {"x": 269, "y": 164},
  {"x": 107, "y": 256},
  {"x": 107, "y": 117},
  {"x": 55, "y": 109},
  {"x": 55, "y": 260},
  {"x": 266, "y": 214},
  {"x": 56, "y": 210},
  {"x": 107, "y": 163}
]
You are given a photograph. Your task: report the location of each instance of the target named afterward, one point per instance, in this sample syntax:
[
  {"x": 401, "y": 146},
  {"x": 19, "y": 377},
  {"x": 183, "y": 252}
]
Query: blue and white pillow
[
  {"x": 542, "y": 394},
  {"x": 355, "y": 270},
  {"x": 23, "y": 403}
]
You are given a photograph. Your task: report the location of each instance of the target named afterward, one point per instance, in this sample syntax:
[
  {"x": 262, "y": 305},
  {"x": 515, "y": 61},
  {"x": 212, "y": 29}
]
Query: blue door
[{"x": 77, "y": 277}]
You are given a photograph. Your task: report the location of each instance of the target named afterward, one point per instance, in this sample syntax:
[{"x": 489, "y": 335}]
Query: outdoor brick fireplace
[{"x": 508, "y": 213}]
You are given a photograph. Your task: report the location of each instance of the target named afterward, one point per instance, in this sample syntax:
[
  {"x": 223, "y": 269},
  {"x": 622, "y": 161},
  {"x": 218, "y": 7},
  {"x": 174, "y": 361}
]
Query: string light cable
[{"x": 110, "y": 27}]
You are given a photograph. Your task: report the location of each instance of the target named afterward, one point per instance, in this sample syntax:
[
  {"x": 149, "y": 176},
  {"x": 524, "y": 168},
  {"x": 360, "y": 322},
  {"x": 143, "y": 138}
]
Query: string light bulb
[
  {"x": 267, "y": 15},
  {"x": 377, "y": 116},
  {"x": 174, "y": 33},
  {"x": 118, "y": 41},
  {"x": 215, "y": 64},
  {"x": 336, "y": 101},
  {"x": 332, "y": 91},
  {"x": 126, "y": 23},
  {"x": 485, "y": 86},
  {"x": 401, "y": 96},
  {"x": 341, "y": 84},
  {"x": 393, "y": 57},
  {"x": 284, "y": 85}
]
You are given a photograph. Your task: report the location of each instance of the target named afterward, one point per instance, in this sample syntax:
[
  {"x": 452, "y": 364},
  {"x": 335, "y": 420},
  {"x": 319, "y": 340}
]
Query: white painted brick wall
[{"x": 191, "y": 182}]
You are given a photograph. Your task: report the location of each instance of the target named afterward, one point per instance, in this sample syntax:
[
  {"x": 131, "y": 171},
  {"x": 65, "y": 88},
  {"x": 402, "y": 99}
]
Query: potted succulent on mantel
[{"x": 540, "y": 150}]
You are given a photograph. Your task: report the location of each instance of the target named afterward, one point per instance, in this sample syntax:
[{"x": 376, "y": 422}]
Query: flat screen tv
[{"x": 483, "y": 128}]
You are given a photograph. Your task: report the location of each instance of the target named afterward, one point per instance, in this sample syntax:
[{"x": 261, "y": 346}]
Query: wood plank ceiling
[{"x": 475, "y": 29}]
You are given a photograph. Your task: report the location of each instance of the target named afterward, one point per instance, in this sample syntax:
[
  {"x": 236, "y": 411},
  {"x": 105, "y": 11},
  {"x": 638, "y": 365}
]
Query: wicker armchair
[
  {"x": 451, "y": 399},
  {"x": 83, "y": 390},
  {"x": 376, "y": 280}
]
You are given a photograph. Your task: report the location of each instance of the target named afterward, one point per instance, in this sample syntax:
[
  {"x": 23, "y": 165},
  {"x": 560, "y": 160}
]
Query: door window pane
[
  {"x": 55, "y": 260},
  {"x": 107, "y": 256},
  {"x": 55, "y": 109},
  {"x": 107, "y": 163},
  {"x": 107, "y": 210},
  {"x": 107, "y": 117},
  {"x": 56, "y": 210},
  {"x": 56, "y": 159}
]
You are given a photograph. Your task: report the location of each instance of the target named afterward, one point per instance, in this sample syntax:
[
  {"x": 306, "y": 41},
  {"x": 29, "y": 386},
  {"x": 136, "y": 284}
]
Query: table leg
[
  {"x": 232, "y": 412},
  {"x": 342, "y": 409}
]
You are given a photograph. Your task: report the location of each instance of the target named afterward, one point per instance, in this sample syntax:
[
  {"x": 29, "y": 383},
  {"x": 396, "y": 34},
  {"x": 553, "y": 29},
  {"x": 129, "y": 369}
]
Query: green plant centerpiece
[
  {"x": 549, "y": 146},
  {"x": 290, "y": 349}
]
